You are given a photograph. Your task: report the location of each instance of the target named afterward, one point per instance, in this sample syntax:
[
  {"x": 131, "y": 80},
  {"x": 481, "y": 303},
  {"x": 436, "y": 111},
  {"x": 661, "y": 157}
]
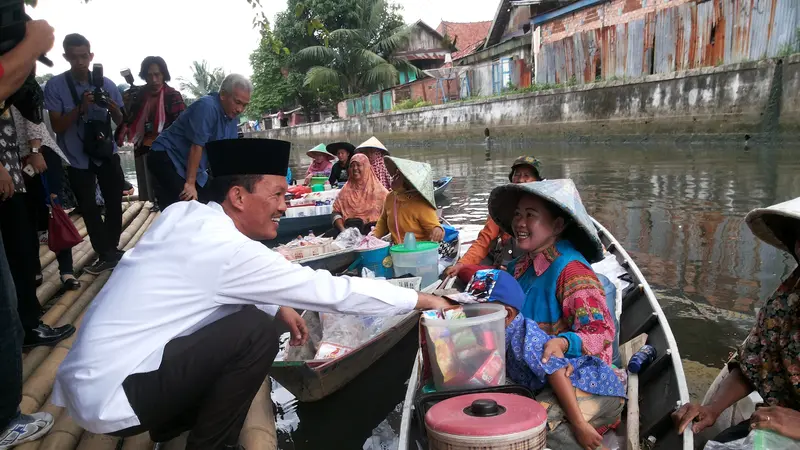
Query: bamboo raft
[{"x": 39, "y": 366}]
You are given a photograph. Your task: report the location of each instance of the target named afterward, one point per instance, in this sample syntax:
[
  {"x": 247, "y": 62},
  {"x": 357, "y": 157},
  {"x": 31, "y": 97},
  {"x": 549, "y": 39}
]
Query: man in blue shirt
[
  {"x": 68, "y": 118},
  {"x": 178, "y": 158}
]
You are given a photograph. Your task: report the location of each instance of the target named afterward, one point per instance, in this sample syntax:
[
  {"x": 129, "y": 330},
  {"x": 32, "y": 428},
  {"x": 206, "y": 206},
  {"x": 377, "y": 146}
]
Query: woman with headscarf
[
  {"x": 343, "y": 151},
  {"x": 494, "y": 248},
  {"x": 321, "y": 164},
  {"x": 563, "y": 295},
  {"x": 360, "y": 202},
  {"x": 769, "y": 360},
  {"x": 376, "y": 151},
  {"x": 410, "y": 206}
]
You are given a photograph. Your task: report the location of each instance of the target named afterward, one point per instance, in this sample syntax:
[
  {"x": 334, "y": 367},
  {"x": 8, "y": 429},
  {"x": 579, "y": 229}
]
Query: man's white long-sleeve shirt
[{"x": 191, "y": 268}]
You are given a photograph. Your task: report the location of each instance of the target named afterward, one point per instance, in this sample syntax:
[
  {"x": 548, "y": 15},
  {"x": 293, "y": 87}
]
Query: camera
[
  {"x": 100, "y": 95},
  {"x": 133, "y": 90}
]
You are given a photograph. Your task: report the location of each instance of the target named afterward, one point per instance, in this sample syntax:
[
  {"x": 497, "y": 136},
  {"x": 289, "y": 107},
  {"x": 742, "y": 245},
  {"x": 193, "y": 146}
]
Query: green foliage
[
  {"x": 272, "y": 85},
  {"x": 203, "y": 81},
  {"x": 42, "y": 79},
  {"x": 411, "y": 103}
]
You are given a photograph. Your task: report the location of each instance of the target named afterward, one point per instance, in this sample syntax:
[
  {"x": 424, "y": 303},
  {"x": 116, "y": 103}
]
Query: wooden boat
[
  {"x": 290, "y": 228},
  {"x": 311, "y": 380},
  {"x": 334, "y": 262},
  {"x": 440, "y": 185},
  {"x": 662, "y": 385}
]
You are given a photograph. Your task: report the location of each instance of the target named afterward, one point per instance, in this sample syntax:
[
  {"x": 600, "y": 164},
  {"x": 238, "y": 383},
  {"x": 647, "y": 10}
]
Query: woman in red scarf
[{"x": 153, "y": 108}]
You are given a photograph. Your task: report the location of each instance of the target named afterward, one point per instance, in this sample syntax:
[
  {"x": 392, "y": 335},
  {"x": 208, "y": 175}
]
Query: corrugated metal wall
[{"x": 691, "y": 35}]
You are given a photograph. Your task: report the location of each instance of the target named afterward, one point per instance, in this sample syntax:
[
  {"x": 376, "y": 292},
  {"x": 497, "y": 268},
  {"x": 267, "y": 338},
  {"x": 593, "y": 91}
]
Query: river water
[{"x": 677, "y": 209}]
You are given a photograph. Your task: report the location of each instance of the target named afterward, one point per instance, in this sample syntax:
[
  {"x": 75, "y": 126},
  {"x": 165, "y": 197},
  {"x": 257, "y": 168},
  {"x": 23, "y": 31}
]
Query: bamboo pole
[
  {"x": 64, "y": 435},
  {"x": 138, "y": 442},
  {"x": 46, "y": 257},
  {"x": 258, "y": 431},
  {"x": 91, "y": 441},
  {"x": 39, "y": 354}
]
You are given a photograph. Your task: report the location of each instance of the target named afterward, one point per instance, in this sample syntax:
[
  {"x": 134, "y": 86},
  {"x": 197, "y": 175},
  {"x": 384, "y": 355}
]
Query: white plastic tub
[{"x": 468, "y": 352}]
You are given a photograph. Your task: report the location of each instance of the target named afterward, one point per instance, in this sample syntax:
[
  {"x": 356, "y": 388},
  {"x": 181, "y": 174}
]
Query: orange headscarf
[{"x": 361, "y": 200}]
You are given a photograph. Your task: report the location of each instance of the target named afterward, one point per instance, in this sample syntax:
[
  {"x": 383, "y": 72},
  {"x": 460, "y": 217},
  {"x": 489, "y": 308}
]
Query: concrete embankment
[{"x": 760, "y": 99}]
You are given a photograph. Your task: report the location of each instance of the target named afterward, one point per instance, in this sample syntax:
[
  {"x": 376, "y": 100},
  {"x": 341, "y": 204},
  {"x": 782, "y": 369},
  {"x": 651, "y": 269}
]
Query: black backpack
[{"x": 98, "y": 140}]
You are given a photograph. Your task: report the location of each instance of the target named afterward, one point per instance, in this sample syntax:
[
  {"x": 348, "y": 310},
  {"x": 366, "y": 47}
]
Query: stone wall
[{"x": 754, "y": 98}]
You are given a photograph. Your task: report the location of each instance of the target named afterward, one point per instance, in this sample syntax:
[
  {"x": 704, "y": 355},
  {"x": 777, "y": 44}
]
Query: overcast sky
[{"x": 123, "y": 32}]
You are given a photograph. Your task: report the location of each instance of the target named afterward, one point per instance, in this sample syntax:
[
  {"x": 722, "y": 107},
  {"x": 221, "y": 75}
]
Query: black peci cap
[{"x": 248, "y": 157}]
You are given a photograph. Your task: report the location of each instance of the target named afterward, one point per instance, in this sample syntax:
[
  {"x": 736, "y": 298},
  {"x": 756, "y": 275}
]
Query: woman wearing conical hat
[
  {"x": 563, "y": 295},
  {"x": 321, "y": 164},
  {"x": 769, "y": 360},
  {"x": 376, "y": 151},
  {"x": 410, "y": 205}
]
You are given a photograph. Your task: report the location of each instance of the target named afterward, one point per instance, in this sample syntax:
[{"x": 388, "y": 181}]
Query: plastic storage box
[
  {"x": 422, "y": 261},
  {"x": 468, "y": 352}
]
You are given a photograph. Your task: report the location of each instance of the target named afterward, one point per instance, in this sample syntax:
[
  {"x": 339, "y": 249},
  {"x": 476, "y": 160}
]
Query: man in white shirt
[{"x": 171, "y": 343}]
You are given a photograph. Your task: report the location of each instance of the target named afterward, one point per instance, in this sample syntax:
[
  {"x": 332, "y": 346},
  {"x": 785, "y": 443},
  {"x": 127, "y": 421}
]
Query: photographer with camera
[
  {"x": 153, "y": 108},
  {"x": 82, "y": 105},
  {"x": 16, "y": 64}
]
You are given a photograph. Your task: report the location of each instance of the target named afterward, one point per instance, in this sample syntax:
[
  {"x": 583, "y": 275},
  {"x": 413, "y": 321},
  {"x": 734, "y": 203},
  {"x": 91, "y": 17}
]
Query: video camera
[{"x": 29, "y": 98}]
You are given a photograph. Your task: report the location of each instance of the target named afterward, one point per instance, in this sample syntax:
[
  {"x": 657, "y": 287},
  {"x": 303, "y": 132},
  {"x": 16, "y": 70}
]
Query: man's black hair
[
  {"x": 157, "y": 60},
  {"x": 220, "y": 186},
  {"x": 76, "y": 40}
]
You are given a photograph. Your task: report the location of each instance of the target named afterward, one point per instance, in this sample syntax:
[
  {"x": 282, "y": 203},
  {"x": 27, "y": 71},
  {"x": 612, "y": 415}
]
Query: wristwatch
[{"x": 34, "y": 149}]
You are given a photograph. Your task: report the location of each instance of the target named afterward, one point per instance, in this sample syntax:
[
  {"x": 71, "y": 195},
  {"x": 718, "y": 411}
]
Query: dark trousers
[
  {"x": 37, "y": 210},
  {"x": 206, "y": 381},
  {"x": 104, "y": 234},
  {"x": 11, "y": 337},
  {"x": 168, "y": 183},
  {"x": 146, "y": 181},
  {"x": 22, "y": 250}
]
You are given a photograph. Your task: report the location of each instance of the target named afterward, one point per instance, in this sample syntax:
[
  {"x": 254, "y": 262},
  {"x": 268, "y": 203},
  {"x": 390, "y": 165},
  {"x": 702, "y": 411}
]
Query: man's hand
[
  {"x": 453, "y": 270},
  {"x": 296, "y": 324},
  {"x": 702, "y": 416},
  {"x": 36, "y": 160},
  {"x": 189, "y": 192},
  {"x": 428, "y": 301},
  {"x": 6, "y": 184},
  {"x": 783, "y": 421},
  {"x": 39, "y": 35},
  {"x": 88, "y": 99},
  {"x": 555, "y": 347},
  {"x": 437, "y": 234}
]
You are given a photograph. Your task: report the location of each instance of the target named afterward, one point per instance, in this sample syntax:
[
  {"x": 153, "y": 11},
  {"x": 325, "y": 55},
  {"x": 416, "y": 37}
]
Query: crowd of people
[{"x": 198, "y": 343}]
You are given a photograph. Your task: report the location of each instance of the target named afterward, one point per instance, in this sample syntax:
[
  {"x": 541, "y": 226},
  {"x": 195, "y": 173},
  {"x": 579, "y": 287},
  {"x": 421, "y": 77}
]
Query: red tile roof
[{"x": 465, "y": 34}]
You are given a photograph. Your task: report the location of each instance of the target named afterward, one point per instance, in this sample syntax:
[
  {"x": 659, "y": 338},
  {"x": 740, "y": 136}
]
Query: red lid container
[{"x": 486, "y": 415}]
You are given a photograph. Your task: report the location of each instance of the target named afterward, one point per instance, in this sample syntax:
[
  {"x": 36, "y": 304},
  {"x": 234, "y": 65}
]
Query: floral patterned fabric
[
  {"x": 770, "y": 357},
  {"x": 9, "y": 151},
  {"x": 524, "y": 348}
]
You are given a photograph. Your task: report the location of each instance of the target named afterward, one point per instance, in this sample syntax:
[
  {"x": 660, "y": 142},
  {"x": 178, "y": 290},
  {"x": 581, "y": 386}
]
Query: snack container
[{"x": 457, "y": 351}]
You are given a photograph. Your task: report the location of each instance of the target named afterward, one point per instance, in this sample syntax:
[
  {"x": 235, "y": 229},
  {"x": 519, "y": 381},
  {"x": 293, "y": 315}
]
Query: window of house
[{"x": 501, "y": 75}]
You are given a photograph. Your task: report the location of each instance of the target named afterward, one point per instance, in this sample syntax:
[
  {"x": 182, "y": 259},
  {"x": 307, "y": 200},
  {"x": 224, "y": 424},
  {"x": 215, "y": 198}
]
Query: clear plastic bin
[
  {"x": 422, "y": 261},
  {"x": 468, "y": 352}
]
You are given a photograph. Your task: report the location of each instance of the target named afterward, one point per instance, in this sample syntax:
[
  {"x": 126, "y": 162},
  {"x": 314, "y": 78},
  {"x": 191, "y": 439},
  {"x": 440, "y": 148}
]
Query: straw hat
[
  {"x": 419, "y": 175},
  {"x": 563, "y": 194},
  {"x": 320, "y": 150},
  {"x": 372, "y": 142},
  {"x": 776, "y": 223}
]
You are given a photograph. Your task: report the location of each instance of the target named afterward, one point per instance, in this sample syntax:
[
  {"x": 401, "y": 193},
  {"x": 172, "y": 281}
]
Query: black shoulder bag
[{"x": 98, "y": 140}]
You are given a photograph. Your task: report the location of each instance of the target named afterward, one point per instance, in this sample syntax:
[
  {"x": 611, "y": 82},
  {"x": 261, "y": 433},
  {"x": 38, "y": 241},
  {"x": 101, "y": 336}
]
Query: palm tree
[
  {"x": 204, "y": 80},
  {"x": 359, "y": 60}
]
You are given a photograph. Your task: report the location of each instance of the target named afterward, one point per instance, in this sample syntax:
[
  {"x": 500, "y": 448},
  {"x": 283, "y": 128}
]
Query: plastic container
[
  {"x": 318, "y": 181},
  {"x": 423, "y": 261},
  {"x": 376, "y": 260},
  {"x": 641, "y": 359},
  {"x": 487, "y": 421},
  {"x": 410, "y": 241},
  {"x": 317, "y": 188},
  {"x": 468, "y": 352}
]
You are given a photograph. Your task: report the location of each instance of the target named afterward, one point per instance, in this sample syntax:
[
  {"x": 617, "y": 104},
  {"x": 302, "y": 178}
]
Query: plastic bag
[
  {"x": 343, "y": 333},
  {"x": 757, "y": 440},
  {"x": 348, "y": 238}
]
